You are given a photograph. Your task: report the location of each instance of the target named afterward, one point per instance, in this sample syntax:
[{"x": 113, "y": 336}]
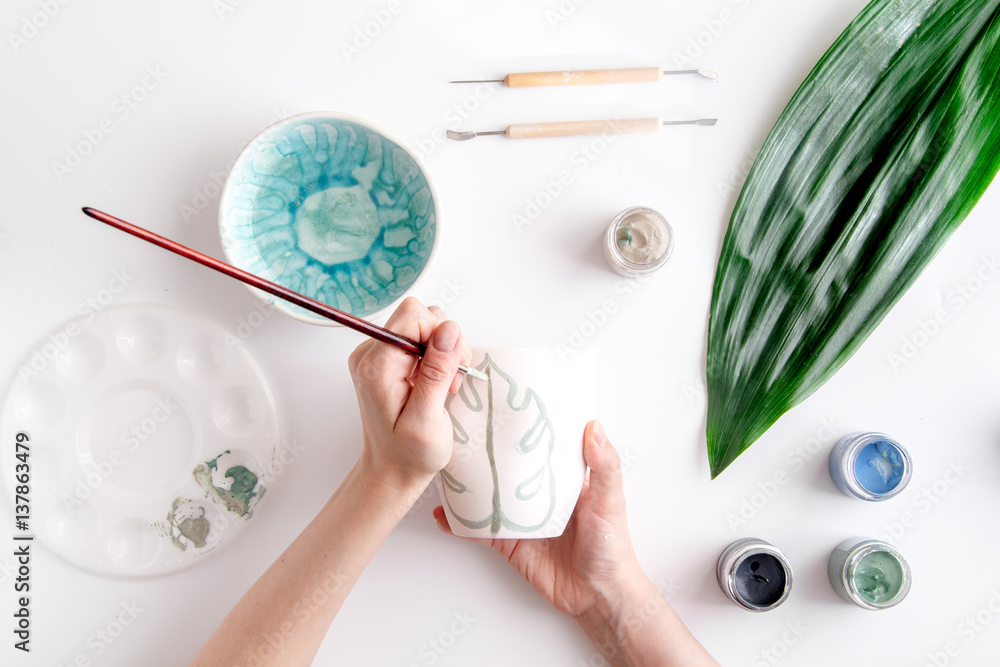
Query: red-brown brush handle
[{"x": 329, "y": 312}]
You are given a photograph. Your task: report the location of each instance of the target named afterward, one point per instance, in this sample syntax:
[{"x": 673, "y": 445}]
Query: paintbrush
[{"x": 340, "y": 317}]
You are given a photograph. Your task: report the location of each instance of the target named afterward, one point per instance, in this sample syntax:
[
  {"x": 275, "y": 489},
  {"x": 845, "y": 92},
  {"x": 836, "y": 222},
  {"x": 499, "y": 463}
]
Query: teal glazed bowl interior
[{"x": 331, "y": 208}]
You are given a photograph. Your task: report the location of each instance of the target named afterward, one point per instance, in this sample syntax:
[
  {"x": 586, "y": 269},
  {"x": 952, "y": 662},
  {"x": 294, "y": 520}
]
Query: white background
[{"x": 229, "y": 73}]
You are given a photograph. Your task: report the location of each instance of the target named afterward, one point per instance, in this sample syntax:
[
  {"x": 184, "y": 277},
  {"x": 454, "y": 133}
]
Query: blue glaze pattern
[{"x": 331, "y": 209}]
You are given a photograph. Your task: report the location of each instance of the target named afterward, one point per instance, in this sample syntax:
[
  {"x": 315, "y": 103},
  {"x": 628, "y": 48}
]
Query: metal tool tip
[
  {"x": 700, "y": 121},
  {"x": 709, "y": 74}
]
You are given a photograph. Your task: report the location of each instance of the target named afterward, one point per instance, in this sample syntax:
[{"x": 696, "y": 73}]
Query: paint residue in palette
[
  {"x": 241, "y": 492},
  {"x": 185, "y": 525}
]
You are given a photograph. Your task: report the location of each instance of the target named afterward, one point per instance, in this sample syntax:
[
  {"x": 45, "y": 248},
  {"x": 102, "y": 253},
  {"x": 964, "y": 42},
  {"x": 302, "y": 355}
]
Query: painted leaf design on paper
[{"x": 512, "y": 427}]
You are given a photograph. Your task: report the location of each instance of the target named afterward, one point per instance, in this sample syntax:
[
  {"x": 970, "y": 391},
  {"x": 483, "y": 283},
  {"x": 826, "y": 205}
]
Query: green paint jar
[{"x": 869, "y": 573}]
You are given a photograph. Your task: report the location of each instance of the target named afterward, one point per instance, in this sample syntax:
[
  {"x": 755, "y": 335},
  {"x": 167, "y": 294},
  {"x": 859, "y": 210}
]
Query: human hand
[
  {"x": 407, "y": 431},
  {"x": 592, "y": 561}
]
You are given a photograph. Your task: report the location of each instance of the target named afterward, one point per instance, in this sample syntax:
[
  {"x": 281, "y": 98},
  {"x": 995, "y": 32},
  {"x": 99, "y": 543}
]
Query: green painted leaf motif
[
  {"x": 453, "y": 484},
  {"x": 879, "y": 156},
  {"x": 508, "y": 421},
  {"x": 532, "y": 486}
]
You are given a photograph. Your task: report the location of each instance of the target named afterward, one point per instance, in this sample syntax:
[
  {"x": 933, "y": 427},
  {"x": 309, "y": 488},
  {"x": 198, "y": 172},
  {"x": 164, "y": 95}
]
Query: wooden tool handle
[
  {"x": 583, "y": 77},
  {"x": 573, "y": 128}
]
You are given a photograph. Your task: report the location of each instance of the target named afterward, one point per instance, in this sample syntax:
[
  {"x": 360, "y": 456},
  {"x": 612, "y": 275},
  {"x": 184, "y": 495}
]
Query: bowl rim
[{"x": 280, "y": 305}]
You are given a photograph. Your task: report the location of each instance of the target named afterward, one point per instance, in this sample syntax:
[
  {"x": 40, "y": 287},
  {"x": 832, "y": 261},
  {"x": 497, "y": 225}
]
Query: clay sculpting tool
[
  {"x": 329, "y": 312},
  {"x": 573, "y": 128},
  {"x": 589, "y": 76}
]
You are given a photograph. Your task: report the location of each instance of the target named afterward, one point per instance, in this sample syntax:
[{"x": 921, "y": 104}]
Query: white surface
[{"x": 221, "y": 77}]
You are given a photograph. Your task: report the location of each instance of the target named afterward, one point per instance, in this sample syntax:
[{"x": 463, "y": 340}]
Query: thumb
[
  {"x": 605, "y": 472},
  {"x": 437, "y": 370}
]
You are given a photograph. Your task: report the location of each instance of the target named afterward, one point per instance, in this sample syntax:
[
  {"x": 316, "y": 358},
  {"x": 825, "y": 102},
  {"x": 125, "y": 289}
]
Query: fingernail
[
  {"x": 600, "y": 437},
  {"x": 445, "y": 338}
]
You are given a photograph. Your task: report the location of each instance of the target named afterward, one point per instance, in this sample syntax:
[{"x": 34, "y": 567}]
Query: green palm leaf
[{"x": 879, "y": 156}]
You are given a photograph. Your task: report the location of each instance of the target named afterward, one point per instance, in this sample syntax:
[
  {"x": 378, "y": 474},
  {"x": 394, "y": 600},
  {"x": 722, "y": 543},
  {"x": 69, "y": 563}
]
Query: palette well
[{"x": 151, "y": 433}]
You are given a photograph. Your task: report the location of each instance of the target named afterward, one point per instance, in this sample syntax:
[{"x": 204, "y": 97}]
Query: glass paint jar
[
  {"x": 754, "y": 574},
  {"x": 869, "y": 573},
  {"x": 638, "y": 242},
  {"x": 870, "y": 465}
]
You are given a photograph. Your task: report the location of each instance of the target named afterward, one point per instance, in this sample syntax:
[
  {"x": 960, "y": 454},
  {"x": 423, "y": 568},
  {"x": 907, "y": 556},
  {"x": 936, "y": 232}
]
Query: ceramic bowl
[{"x": 327, "y": 206}]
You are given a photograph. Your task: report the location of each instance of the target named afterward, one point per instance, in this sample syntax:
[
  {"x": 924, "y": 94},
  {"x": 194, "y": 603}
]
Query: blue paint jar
[{"x": 870, "y": 466}]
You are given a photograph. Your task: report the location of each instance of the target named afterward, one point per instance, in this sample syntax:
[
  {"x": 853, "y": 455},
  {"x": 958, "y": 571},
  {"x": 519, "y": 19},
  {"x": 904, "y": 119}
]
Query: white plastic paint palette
[{"x": 121, "y": 408}]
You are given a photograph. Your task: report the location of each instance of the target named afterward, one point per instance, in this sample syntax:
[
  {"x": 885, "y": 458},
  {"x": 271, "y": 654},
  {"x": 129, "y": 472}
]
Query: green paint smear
[
  {"x": 241, "y": 492},
  {"x": 497, "y": 510},
  {"x": 878, "y": 577},
  {"x": 194, "y": 528}
]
